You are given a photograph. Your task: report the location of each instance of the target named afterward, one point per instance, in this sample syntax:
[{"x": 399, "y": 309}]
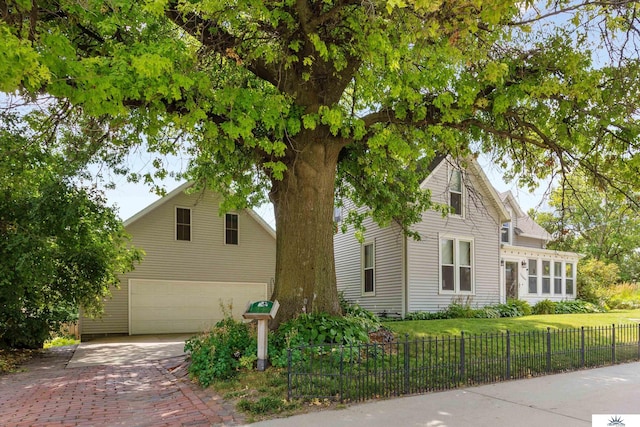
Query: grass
[
  {"x": 453, "y": 327},
  {"x": 262, "y": 395}
]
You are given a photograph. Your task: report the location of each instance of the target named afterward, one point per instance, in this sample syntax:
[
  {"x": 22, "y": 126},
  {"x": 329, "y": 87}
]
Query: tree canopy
[
  {"x": 60, "y": 246},
  {"x": 309, "y": 99},
  {"x": 595, "y": 221}
]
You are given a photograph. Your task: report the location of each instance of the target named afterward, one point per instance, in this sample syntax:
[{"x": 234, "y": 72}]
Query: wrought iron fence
[{"x": 361, "y": 372}]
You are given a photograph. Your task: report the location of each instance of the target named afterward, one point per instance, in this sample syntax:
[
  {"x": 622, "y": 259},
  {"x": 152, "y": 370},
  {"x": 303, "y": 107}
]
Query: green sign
[{"x": 260, "y": 307}]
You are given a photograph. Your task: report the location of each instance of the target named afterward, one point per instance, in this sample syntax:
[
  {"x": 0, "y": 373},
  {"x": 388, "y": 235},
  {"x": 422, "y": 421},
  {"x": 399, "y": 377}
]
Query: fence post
[
  {"x": 508, "y": 356},
  {"x": 613, "y": 344},
  {"x": 582, "y": 347},
  {"x": 407, "y": 373},
  {"x": 289, "y": 373},
  {"x": 342, "y": 372},
  {"x": 462, "y": 356},
  {"x": 548, "y": 349},
  {"x": 638, "y": 340}
]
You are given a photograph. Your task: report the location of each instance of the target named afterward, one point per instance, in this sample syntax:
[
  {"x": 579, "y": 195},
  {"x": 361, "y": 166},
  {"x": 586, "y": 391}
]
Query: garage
[{"x": 171, "y": 306}]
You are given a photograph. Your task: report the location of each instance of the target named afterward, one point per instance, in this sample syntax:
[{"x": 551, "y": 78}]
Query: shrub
[
  {"x": 623, "y": 296},
  {"x": 219, "y": 353},
  {"x": 577, "y": 306},
  {"x": 544, "y": 307},
  {"x": 594, "y": 277},
  {"x": 319, "y": 328}
]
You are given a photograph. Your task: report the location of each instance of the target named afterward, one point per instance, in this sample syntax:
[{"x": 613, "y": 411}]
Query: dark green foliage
[
  {"x": 61, "y": 247},
  {"x": 218, "y": 353},
  {"x": 577, "y": 306},
  {"x": 321, "y": 328},
  {"x": 544, "y": 307}
]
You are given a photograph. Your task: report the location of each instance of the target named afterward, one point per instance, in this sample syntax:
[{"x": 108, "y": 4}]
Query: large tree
[
  {"x": 61, "y": 247},
  {"x": 308, "y": 99}
]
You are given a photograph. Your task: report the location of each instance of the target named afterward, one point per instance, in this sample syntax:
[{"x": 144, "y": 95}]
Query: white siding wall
[
  {"x": 388, "y": 267},
  {"x": 204, "y": 258},
  {"x": 480, "y": 223}
]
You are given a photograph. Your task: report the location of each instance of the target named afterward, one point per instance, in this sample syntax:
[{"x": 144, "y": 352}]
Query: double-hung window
[
  {"x": 557, "y": 278},
  {"x": 455, "y": 192},
  {"x": 183, "y": 224},
  {"x": 456, "y": 265},
  {"x": 533, "y": 276},
  {"x": 546, "y": 277},
  {"x": 368, "y": 268},
  {"x": 569, "y": 279},
  {"x": 505, "y": 233},
  {"x": 231, "y": 229}
]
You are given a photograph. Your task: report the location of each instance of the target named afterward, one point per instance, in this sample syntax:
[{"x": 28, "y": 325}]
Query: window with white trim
[
  {"x": 505, "y": 233},
  {"x": 368, "y": 268},
  {"x": 569, "y": 279},
  {"x": 546, "y": 277},
  {"x": 557, "y": 278},
  {"x": 533, "y": 276},
  {"x": 231, "y": 229},
  {"x": 183, "y": 224},
  {"x": 455, "y": 192},
  {"x": 456, "y": 265}
]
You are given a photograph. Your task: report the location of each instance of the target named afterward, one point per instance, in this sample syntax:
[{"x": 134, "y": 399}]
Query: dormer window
[{"x": 455, "y": 192}]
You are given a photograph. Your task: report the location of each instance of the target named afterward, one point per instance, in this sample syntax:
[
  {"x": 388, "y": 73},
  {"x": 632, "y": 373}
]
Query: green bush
[
  {"x": 577, "y": 306},
  {"x": 594, "y": 278},
  {"x": 544, "y": 307},
  {"x": 456, "y": 310},
  {"x": 221, "y": 352},
  {"x": 624, "y": 296},
  {"x": 317, "y": 329},
  {"x": 322, "y": 328}
]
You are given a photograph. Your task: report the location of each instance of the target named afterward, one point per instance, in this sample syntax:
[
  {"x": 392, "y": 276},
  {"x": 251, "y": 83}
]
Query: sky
[{"x": 130, "y": 198}]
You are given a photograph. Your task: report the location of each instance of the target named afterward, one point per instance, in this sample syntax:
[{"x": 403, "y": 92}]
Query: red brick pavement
[{"x": 147, "y": 394}]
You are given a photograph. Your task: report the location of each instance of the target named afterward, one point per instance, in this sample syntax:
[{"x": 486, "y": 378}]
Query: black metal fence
[{"x": 367, "y": 371}]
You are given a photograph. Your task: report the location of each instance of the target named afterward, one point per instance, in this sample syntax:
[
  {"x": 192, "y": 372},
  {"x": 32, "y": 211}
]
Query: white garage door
[{"x": 170, "y": 306}]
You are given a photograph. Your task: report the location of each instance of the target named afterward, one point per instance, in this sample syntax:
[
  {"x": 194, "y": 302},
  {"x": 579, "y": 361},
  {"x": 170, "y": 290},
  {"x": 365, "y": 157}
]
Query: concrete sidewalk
[{"x": 555, "y": 400}]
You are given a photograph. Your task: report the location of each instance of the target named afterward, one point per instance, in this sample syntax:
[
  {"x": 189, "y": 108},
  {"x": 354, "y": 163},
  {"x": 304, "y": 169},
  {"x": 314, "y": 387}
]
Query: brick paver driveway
[{"x": 154, "y": 393}]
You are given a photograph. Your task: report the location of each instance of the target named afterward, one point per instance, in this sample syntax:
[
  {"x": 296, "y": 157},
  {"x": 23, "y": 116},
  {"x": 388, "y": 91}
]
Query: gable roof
[
  {"x": 523, "y": 224},
  {"x": 181, "y": 189},
  {"x": 477, "y": 171}
]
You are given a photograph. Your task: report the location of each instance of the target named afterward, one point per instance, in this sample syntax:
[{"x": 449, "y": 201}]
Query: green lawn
[{"x": 433, "y": 328}]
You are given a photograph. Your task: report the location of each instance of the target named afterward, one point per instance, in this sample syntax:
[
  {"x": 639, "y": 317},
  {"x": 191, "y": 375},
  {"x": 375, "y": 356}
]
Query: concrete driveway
[
  {"x": 127, "y": 350},
  {"x": 124, "y": 381}
]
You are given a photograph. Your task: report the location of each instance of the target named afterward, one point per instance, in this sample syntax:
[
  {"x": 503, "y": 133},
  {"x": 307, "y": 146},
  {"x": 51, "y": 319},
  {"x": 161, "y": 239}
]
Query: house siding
[
  {"x": 480, "y": 223},
  {"x": 205, "y": 258},
  {"x": 388, "y": 243},
  {"x": 528, "y": 242}
]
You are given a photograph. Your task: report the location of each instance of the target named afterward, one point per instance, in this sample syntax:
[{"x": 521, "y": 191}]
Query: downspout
[{"x": 405, "y": 277}]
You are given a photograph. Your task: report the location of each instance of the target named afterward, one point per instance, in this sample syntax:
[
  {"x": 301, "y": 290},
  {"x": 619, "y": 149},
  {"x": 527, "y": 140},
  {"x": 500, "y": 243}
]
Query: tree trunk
[{"x": 303, "y": 200}]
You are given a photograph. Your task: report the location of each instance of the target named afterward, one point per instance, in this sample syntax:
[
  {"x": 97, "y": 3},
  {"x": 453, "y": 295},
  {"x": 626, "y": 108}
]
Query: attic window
[
  {"x": 231, "y": 229},
  {"x": 455, "y": 192},
  {"x": 183, "y": 224}
]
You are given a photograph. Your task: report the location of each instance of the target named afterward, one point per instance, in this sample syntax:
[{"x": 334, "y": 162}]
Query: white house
[{"x": 483, "y": 252}]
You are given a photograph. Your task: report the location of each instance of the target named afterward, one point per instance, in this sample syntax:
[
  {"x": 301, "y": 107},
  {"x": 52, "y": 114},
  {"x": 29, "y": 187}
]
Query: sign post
[{"x": 262, "y": 311}]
